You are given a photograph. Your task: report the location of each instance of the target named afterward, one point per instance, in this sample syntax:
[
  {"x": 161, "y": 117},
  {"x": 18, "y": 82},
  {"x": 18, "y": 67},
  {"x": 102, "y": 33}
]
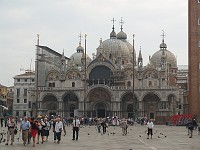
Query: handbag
[{"x": 15, "y": 131}]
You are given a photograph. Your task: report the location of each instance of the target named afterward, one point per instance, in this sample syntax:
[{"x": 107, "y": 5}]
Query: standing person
[
  {"x": 11, "y": 127},
  {"x": 124, "y": 127},
  {"x": 1, "y": 121},
  {"x": 25, "y": 127},
  {"x": 34, "y": 130},
  {"x": 104, "y": 126},
  {"x": 76, "y": 126},
  {"x": 64, "y": 124},
  {"x": 45, "y": 129},
  {"x": 58, "y": 130},
  {"x": 190, "y": 128},
  {"x": 199, "y": 128},
  {"x": 39, "y": 130},
  {"x": 150, "y": 126}
]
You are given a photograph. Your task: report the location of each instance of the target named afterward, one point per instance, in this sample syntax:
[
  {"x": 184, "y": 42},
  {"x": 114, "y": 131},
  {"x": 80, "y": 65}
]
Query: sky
[{"x": 60, "y": 22}]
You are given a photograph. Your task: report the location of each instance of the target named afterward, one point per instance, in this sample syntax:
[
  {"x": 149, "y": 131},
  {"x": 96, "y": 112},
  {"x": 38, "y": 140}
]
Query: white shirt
[
  {"x": 76, "y": 123},
  {"x": 150, "y": 125},
  {"x": 58, "y": 126}
]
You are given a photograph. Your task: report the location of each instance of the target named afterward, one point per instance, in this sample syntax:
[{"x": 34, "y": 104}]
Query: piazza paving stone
[{"x": 164, "y": 138}]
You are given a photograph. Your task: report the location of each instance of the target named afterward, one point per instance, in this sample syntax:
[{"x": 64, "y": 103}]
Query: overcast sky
[{"x": 59, "y": 23}]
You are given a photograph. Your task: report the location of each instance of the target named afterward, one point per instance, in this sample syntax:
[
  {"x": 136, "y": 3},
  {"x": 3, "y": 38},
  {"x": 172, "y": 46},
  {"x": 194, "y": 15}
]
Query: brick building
[{"x": 194, "y": 56}]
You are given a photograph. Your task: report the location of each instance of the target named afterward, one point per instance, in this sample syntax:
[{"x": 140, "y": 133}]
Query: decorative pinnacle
[
  {"x": 163, "y": 35},
  {"x": 121, "y": 23},
  {"x": 113, "y": 20},
  {"x": 80, "y": 38},
  {"x": 38, "y": 39}
]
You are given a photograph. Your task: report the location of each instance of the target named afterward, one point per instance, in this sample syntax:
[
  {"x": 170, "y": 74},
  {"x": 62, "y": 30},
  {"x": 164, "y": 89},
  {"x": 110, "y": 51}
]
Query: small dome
[
  {"x": 163, "y": 45},
  {"x": 75, "y": 59},
  {"x": 113, "y": 34},
  {"x": 121, "y": 35},
  {"x": 80, "y": 48},
  {"x": 169, "y": 56}
]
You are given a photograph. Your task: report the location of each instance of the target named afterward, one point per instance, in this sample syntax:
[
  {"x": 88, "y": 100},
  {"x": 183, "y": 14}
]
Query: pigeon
[
  {"x": 139, "y": 135},
  {"x": 88, "y": 133},
  {"x": 165, "y": 136},
  {"x": 158, "y": 137},
  {"x": 108, "y": 133}
]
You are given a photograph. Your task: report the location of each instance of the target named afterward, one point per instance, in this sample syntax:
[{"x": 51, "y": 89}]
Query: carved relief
[{"x": 100, "y": 94}]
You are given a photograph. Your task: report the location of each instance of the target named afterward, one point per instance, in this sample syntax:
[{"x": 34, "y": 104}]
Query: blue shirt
[{"x": 25, "y": 125}]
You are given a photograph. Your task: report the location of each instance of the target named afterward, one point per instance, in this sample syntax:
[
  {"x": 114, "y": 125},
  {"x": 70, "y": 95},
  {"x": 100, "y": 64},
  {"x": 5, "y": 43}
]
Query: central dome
[{"x": 114, "y": 46}]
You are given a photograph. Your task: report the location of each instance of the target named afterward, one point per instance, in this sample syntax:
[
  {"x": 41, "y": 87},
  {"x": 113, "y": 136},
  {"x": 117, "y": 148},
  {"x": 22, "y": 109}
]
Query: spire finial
[
  {"x": 113, "y": 20},
  {"x": 80, "y": 38},
  {"x": 100, "y": 40},
  {"x": 163, "y": 35},
  {"x": 38, "y": 39},
  {"x": 63, "y": 52},
  {"x": 121, "y": 23}
]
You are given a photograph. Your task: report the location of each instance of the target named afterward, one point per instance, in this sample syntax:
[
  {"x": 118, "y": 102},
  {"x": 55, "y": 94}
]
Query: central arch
[
  {"x": 99, "y": 102},
  {"x": 151, "y": 105},
  {"x": 100, "y": 109},
  {"x": 129, "y": 105},
  {"x": 70, "y": 103},
  {"x": 50, "y": 105}
]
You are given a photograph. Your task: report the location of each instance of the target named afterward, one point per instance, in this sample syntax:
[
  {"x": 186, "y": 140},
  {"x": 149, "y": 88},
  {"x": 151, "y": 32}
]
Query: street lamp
[{"x": 133, "y": 74}]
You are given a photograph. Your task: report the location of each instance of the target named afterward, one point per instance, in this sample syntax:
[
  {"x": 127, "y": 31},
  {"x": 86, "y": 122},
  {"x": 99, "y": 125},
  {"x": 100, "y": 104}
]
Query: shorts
[{"x": 39, "y": 132}]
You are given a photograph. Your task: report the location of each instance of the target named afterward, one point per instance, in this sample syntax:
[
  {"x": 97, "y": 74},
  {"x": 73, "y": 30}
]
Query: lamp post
[
  {"x": 85, "y": 82},
  {"x": 36, "y": 95},
  {"x": 133, "y": 74}
]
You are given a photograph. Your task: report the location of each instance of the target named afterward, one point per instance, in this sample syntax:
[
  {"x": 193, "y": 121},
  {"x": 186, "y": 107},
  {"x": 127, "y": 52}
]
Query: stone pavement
[{"x": 176, "y": 139}]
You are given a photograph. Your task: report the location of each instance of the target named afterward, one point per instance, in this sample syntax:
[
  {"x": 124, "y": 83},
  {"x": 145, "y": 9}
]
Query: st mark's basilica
[{"x": 102, "y": 86}]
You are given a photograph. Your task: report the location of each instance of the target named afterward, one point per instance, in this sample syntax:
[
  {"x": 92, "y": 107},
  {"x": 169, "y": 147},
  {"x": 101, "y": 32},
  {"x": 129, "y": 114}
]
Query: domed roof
[
  {"x": 169, "y": 56},
  {"x": 80, "y": 48},
  {"x": 114, "y": 46},
  {"x": 75, "y": 59},
  {"x": 121, "y": 35}
]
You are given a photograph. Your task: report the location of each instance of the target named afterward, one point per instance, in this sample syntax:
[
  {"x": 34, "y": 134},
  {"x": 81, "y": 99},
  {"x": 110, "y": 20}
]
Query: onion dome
[
  {"x": 121, "y": 35},
  {"x": 169, "y": 57},
  {"x": 75, "y": 59}
]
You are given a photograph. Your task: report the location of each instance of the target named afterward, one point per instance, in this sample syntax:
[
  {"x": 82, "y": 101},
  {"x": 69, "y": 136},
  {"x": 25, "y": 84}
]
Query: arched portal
[
  {"x": 100, "y": 109},
  {"x": 100, "y": 99},
  {"x": 151, "y": 105},
  {"x": 129, "y": 105},
  {"x": 70, "y": 103},
  {"x": 171, "y": 104},
  {"x": 50, "y": 105}
]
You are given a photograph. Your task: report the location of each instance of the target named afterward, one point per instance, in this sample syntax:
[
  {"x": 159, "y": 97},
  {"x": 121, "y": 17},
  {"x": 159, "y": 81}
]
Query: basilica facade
[{"x": 112, "y": 83}]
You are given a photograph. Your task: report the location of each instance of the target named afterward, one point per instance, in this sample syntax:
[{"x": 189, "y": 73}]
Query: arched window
[
  {"x": 128, "y": 84},
  {"x": 72, "y": 107},
  {"x": 150, "y": 83},
  {"x": 130, "y": 108},
  {"x": 73, "y": 84}
]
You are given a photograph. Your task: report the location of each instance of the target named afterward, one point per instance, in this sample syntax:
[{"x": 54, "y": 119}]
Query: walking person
[
  {"x": 45, "y": 129},
  {"x": 190, "y": 128},
  {"x": 10, "y": 133},
  {"x": 104, "y": 126},
  {"x": 199, "y": 128},
  {"x": 64, "y": 124},
  {"x": 25, "y": 127},
  {"x": 76, "y": 126},
  {"x": 34, "y": 130},
  {"x": 39, "y": 133},
  {"x": 58, "y": 130},
  {"x": 124, "y": 127},
  {"x": 150, "y": 126}
]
